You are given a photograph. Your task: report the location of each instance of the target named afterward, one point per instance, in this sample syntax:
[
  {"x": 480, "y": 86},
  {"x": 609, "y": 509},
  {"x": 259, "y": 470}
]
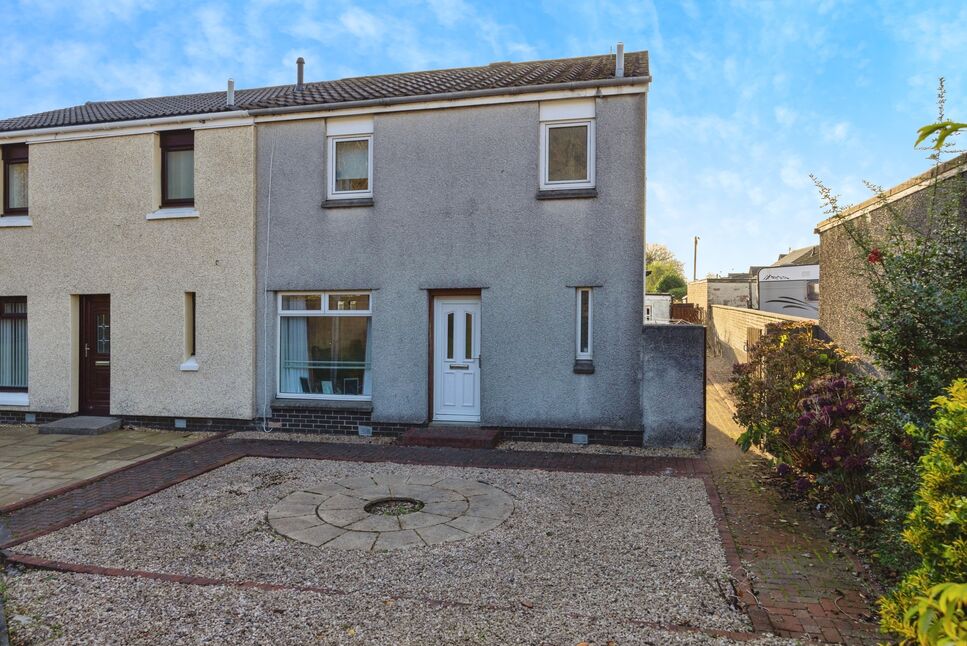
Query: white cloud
[
  {"x": 836, "y": 132},
  {"x": 785, "y": 117}
]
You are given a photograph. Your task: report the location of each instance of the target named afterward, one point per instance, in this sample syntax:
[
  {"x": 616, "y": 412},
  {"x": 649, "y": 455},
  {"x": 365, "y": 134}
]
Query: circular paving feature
[{"x": 390, "y": 512}]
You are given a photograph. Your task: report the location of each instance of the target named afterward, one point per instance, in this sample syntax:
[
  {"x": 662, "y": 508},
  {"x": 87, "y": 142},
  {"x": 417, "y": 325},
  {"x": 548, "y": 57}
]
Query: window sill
[
  {"x": 173, "y": 213},
  {"x": 584, "y": 367},
  {"x": 14, "y": 399},
  {"x": 347, "y": 203},
  {"x": 190, "y": 365},
  {"x": 330, "y": 404},
  {"x": 15, "y": 221},
  {"x": 567, "y": 193}
]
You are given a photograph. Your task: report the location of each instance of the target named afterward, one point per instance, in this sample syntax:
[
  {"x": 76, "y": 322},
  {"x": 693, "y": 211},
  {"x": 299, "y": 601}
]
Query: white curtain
[
  {"x": 352, "y": 163},
  {"x": 13, "y": 352},
  {"x": 368, "y": 375},
  {"x": 295, "y": 349}
]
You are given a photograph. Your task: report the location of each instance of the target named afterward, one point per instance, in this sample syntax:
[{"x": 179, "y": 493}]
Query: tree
[{"x": 666, "y": 273}]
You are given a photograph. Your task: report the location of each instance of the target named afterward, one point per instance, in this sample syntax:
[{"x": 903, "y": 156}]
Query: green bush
[
  {"x": 936, "y": 530},
  {"x": 769, "y": 386}
]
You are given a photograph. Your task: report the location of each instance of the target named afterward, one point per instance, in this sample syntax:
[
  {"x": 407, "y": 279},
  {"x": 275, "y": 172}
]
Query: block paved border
[{"x": 108, "y": 491}]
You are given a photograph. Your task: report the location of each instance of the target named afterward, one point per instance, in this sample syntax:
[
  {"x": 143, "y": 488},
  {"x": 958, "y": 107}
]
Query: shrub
[
  {"x": 768, "y": 387},
  {"x": 936, "y": 529},
  {"x": 828, "y": 448}
]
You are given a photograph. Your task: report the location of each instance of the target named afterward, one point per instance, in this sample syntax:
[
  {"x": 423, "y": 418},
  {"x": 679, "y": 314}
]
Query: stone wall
[
  {"x": 728, "y": 329},
  {"x": 673, "y": 385}
]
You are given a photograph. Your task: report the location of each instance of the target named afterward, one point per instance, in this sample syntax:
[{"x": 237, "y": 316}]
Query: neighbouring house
[
  {"x": 734, "y": 290},
  {"x": 127, "y": 281},
  {"x": 842, "y": 280},
  {"x": 658, "y": 308},
  {"x": 791, "y": 284},
  {"x": 370, "y": 253}
]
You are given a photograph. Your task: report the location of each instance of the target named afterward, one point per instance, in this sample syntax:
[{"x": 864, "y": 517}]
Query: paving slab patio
[{"x": 32, "y": 464}]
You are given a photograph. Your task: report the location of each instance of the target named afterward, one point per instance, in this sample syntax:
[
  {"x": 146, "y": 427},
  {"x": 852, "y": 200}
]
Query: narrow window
[
  {"x": 189, "y": 325},
  {"x": 350, "y": 167},
  {"x": 568, "y": 154},
  {"x": 324, "y": 345},
  {"x": 15, "y": 173},
  {"x": 178, "y": 168},
  {"x": 584, "y": 323},
  {"x": 13, "y": 344}
]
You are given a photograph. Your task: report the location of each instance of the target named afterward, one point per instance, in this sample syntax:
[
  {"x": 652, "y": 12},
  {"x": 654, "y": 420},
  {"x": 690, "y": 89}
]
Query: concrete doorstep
[{"x": 81, "y": 425}]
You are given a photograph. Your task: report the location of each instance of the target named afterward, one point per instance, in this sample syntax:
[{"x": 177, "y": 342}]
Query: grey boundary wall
[{"x": 673, "y": 385}]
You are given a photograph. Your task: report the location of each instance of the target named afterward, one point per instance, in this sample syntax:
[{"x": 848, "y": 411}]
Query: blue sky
[{"x": 748, "y": 97}]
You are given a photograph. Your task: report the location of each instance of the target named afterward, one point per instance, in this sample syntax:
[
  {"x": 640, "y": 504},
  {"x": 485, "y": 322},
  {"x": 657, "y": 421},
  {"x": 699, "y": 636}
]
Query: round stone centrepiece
[{"x": 390, "y": 512}]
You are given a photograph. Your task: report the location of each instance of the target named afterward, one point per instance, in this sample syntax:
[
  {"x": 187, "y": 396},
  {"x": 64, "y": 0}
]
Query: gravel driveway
[{"x": 583, "y": 556}]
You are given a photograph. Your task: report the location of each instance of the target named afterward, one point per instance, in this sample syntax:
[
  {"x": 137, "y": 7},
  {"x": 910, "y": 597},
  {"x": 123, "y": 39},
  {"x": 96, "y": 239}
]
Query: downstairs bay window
[
  {"x": 13, "y": 350},
  {"x": 325, "y": 345}
]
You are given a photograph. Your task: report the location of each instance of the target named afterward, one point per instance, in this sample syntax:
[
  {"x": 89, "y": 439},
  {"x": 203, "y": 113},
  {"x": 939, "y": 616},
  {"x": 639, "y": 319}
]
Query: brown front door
[{"x": 95, "y": 346}]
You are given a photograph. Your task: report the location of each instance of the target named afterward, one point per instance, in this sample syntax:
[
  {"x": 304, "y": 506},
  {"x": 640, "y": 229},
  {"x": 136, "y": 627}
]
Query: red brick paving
[{"x": 804, "y": 583}]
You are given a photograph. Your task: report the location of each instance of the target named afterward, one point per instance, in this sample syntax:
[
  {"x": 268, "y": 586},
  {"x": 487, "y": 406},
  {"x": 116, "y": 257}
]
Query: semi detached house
[{"x": 451, "y": 246}]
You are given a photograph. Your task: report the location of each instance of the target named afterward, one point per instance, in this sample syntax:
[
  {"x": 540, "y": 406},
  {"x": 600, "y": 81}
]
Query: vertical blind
[{"x": 13, "y": 344}]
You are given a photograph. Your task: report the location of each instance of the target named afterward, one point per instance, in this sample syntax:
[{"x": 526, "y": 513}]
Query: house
[
  {"x": 658, "y": 308},
  {"x": 455, "y": 246},
  {"x": 433, "y": 247},
  {"x": 842, "y": 280},
  {"x": 734, "y": 290},
  {"x": 791, "y": 284}
]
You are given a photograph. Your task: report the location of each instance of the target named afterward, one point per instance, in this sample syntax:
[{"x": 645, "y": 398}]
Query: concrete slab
[{"x": 81, "y": 425}]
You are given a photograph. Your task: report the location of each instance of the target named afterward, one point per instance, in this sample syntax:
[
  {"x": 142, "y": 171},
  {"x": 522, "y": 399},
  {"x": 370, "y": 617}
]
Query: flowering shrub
[
  {"x": 768, "y": 387},
  {"x": 828, "y": 448},
  {"x": 936, "y": 529}
]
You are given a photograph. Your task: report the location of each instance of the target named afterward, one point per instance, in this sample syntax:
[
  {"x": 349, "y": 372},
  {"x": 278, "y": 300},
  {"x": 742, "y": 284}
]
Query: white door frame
[{"x": 456, "y": 377}]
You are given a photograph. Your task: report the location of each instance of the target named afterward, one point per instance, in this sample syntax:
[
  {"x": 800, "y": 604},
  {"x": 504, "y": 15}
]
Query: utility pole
[{"x": 695, "y": 261}]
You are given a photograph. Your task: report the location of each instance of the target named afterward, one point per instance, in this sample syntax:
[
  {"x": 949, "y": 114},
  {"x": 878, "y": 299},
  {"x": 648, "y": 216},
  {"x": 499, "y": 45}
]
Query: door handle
[{"x": 87, "y": 349}]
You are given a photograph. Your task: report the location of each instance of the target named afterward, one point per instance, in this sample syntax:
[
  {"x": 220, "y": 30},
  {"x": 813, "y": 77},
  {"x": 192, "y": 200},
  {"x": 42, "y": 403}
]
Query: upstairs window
[
  {"x": 177, "y": 168},
  {"x": 567, "y": 145},
  {"x": 13, "y": 344},
  {"x": 15, "y": 170},
  {"x": 350, "y": 158}
]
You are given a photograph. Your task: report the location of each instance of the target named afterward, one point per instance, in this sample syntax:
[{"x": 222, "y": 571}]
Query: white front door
[{"x": 456, "y": 358}]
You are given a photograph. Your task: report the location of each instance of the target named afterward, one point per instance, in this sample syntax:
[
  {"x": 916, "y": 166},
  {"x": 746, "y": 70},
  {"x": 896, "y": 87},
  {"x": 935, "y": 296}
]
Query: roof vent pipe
[
  {"x": 619, "y": 61},
  {"x": 300, "y": 63},
  {"x": 230, "y": 98}
]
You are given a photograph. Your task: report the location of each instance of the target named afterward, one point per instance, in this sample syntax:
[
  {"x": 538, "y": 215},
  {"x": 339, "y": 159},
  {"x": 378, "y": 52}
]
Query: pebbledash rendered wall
[
  {"x": 89, "y": 235},
  {"x": 673, "y": 385},
  {"x": 455, "y": 207}
]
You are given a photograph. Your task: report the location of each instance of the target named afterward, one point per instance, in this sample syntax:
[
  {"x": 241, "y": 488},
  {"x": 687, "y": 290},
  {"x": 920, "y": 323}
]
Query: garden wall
[
  {"x": 673, "y": 385},
  {"x": 729, "y": 329}
]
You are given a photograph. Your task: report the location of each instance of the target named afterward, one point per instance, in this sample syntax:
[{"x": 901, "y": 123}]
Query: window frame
[
  {"x": 579, "y": 354},
  {"x": 18, "y": 316},
  {"x": 589, "y": 181},
  {"x": 331, "y": 192},
  {"x": 322, "y": 312},
  {"x": 14, "y": 154},
  {"x": 173, "y": 141}
]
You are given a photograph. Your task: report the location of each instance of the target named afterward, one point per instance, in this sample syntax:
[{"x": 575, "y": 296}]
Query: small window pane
[
  {"x": 567, "y": 153},
  {"x": 17, "y": 186},
  {"x": 352, "y": 165},
  {"x": 348, "y": 302},
  {"x": 180, "y": 166},
  {"x": 302, "y": 302},
  {"x": 325, "y": 355},
  {"x": 585, "y": 320}
]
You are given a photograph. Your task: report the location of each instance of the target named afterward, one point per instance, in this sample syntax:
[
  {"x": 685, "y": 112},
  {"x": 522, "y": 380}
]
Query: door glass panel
[
  {"x": 468, "y": 340},
  {"x": 450, "y": 335},
  {"x": 103, "y": 325}
]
